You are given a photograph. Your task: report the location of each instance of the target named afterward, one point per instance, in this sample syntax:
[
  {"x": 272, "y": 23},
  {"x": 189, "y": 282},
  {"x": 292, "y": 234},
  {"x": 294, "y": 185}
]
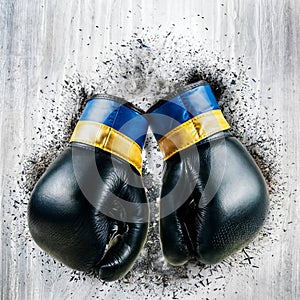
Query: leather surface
[
  {"x": 89, "y": 209},
  {"x": 222, "y": 205},
  {"x": 71, "y": 227},
  {"x": 118, "y": 116},
  {"x": 167, "y": 114}
]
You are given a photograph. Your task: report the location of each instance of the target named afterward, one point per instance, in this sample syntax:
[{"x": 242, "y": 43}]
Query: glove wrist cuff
[
  {"x": 112, "y": 126},
  {"x": 185, "y": 118}
]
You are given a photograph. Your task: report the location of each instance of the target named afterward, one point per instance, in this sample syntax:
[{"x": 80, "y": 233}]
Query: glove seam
[
  {"x": 193, "y": 143},
  {"x": 104, "y": 143},
  {"x": 185, "y": 124},
  {"x": 195, "y": 132},
  {"x": 110, "y": 151}
]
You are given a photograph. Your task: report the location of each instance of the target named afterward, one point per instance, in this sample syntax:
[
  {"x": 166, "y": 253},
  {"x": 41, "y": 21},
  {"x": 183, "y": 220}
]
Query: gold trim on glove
[
  {"x": 192, "y": 132},
  {"x": 110, "y": 140}
]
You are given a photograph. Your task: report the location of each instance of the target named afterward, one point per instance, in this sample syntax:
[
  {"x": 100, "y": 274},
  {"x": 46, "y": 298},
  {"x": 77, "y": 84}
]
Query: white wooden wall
[{"x": 44, "y": 42}]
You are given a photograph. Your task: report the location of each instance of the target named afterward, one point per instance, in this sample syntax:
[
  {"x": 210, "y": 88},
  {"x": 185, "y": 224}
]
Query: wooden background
[{"x": 38, "y": 38}]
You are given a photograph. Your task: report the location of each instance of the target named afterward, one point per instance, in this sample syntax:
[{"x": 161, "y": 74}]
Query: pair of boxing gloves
[{"x": 89, "y": 210}]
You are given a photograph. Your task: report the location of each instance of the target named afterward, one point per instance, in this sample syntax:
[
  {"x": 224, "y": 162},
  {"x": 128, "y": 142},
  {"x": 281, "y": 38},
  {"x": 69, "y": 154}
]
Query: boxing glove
[
  {"x": 214, "y": 199},
  {"x": 89, "y": 209}
]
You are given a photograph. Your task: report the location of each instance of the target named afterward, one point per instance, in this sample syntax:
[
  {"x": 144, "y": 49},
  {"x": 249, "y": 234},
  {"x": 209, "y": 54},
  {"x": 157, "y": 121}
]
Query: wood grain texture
[{"x": 39, "y": 38}]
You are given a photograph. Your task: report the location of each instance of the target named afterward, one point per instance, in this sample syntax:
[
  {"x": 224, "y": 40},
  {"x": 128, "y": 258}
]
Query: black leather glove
[
  {"x": 89, "y": 209},
  {"x": 214, "y": 198}
]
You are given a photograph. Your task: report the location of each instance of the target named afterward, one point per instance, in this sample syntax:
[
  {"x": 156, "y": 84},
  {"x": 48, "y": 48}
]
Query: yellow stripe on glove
[
  {"x": 108, "y": 139},
  {"x": 192, "y": 132}
]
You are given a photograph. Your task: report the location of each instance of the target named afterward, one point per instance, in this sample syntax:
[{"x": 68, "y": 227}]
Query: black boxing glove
[
  {"x": 214, "y": 198},
  {"x": 89, "y": 209}
]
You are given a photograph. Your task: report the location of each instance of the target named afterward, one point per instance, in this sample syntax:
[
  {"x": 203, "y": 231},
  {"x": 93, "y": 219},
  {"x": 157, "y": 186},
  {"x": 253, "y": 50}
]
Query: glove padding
[
  {"x": 214, "y": 199},
  {"x": 90, "y": 220},
  {"x": 218, "y": 220}
]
